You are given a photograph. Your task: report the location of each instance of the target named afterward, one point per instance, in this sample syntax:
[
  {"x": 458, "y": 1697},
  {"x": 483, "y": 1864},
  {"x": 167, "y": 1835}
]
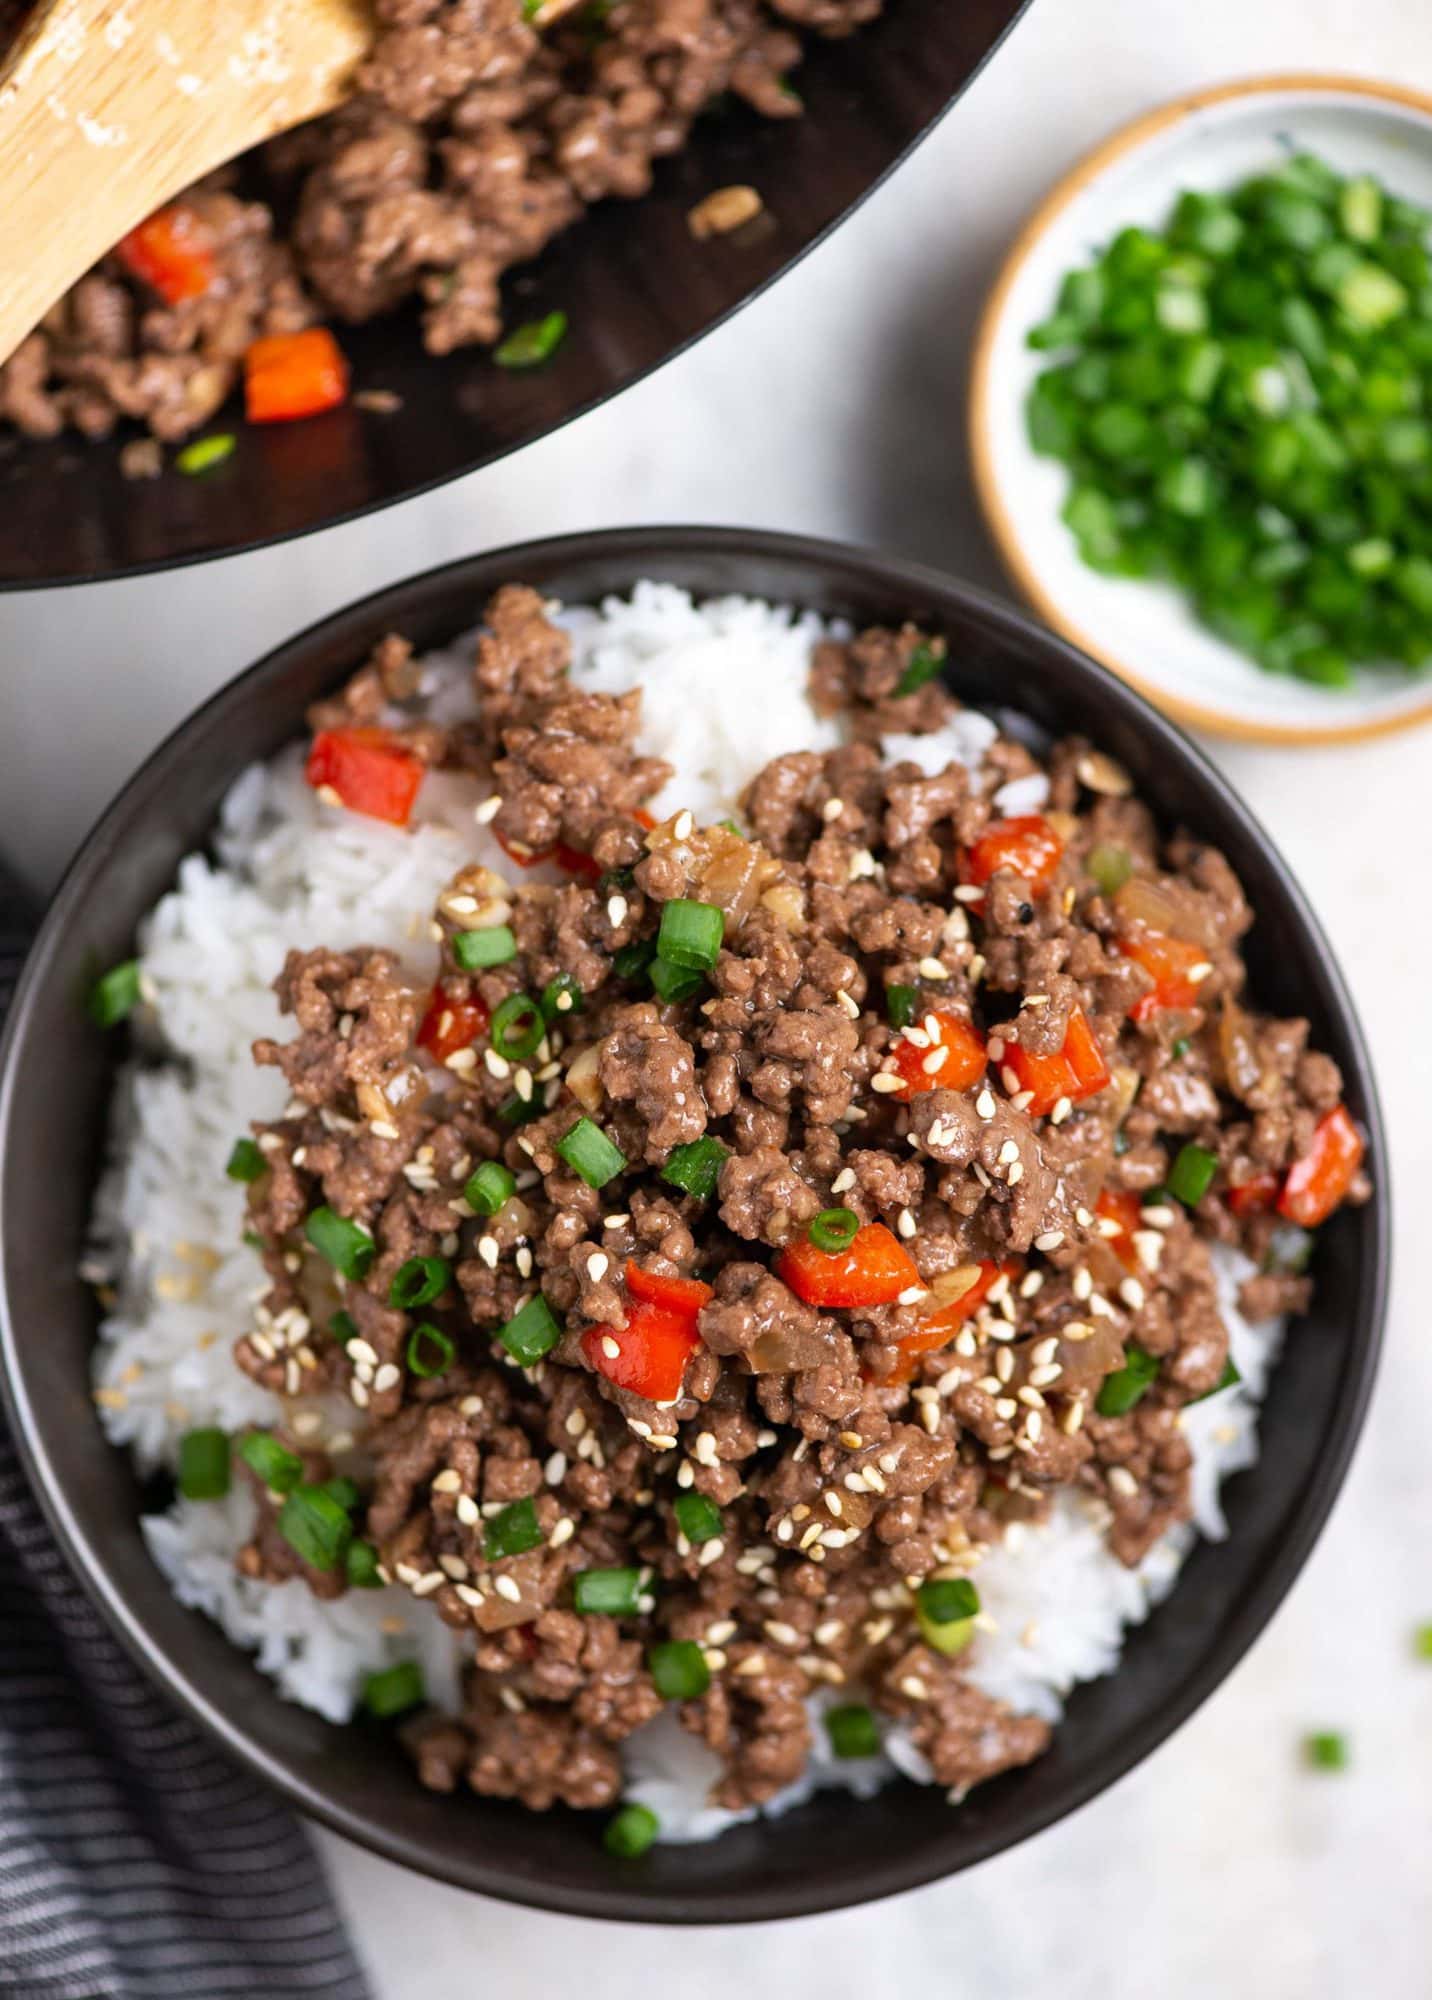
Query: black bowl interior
[
  {"x": 53, "y": 1088},
  {"x": 635, "y": 284}
]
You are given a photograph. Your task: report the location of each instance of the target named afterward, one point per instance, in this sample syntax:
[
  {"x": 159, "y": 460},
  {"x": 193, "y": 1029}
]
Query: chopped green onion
[
  {"x": 518, "y": 1027},
  {"x": 343, "y": 1327},
  {"x": 530, "y": 345},
  {"x": 429, "y": 1351},
  {"x": 344, "y": 1491},
  {"x": 1326, "y": 1750},
  {"x": 614, "y": 1593},
  {"x": 901, "y": 1003},
  {"x": 853, "y": 1731},
  {"x": 590, "y": 1153},
  {"x": 512, "y": 1532},
  {"x": 631, "y": 1831},
  {"x": 204, "y": 1464},
  {"x": 394, "y": 1690},
  {"x": 679, "y": 1669},
  {"x": 206, "y": 452},
  {"x": 360, "y": 1565},
  {"x": 924, "y": 664},
  {"x": 633, "y": 959},
  {"x": 253, "y": 1239},
  {"x": 489, "y": 1187},
  {"x": 1128, "y": 1385},
  {"x": 1191, "y": 1174},
  {"x": 493, "y": 946},
  {"x": 696, "y": 1168},
  {"x": 698, "y": 1518},
  {"x": 1422, "y": 1642},
  {"x": 834, "y": 1229},
  {"x": 279, "y": 1468},
  {"x": 419, "y": 1282},
  {"x": 690, "y": 934},
  {"x": 945, "y": 1610},
  {"x": 315, "y": 1527},
  {"x": 1110, "y": 868},
  {"x": 517, "y": 1110},
  {"x": 531, "y": 1332},
  {"x": 1226, "y": 1380},
  {"x": 732, "y": 826},
  {"x": 1180, "y": 1048},
  {"x": 562, "y": 995},
  {"x": 246, "y": 1163},
  {"x": 346, "y": 1245},
  {"x": 675, "y": 983},
  {"x": 115, "y": 994}
]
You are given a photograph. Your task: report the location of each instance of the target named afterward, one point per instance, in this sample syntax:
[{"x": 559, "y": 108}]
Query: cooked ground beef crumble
[{"x": 963, "y": 1101}]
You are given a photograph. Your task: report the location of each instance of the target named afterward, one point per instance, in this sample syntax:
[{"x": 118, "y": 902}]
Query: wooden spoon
[{"x": 108, "y": 108}]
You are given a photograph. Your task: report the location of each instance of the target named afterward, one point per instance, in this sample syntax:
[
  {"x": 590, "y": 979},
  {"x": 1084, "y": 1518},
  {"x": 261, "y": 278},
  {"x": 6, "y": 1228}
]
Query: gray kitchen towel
[{"x": 136, "y": 1862}]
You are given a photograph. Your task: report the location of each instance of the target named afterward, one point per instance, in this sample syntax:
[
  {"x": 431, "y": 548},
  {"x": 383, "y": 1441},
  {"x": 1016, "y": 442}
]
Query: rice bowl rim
[{"x": 134, "y": 1597}]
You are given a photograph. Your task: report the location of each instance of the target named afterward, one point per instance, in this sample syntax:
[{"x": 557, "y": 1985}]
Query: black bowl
[
  {"x": 55, "y": 1075},
  {"x": 635, "y": 284}
]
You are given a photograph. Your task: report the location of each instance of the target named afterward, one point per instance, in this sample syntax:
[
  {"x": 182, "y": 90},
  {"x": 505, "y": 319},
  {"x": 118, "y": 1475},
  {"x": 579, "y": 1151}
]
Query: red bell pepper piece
[
  {"x": 291, "y": 375},
  {"x": 872, "y": 1270},
  {"x": 643, "y": 818},
  {"x": 1029, "y": 845},
  {"x": 1169, "y": 961},
  {"x": 1075, "y": 1072},
  {"x": 451, "y": 1024},
  {"x": 964, "y": 1062},
  {"x": 941, "y": 1327},
  {"x": 1253, "y": 1197},
  {"x": 574, "y": 862},
  {"x": 368, "y": 770},
  {"x": 653, "y": 1347},
  {"x": 1319, "y": 1181},
  {"x": 686, "y": 1295},
  {"x": 1117, "y": 1206},
  {"x": 172, "y": 252}
]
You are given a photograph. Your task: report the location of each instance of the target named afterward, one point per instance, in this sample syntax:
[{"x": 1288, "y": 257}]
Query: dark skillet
[
  {"x": 636, "y": 287},
  {"x": 54, "y": 1081}
]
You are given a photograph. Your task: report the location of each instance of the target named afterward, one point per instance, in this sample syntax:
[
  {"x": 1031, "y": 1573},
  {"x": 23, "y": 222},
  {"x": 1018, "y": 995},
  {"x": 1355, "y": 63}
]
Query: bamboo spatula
[{"x": 108, "y": 108}]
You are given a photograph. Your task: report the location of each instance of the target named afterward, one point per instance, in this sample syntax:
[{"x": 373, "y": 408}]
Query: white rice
[{"x": 723, "y": 690}]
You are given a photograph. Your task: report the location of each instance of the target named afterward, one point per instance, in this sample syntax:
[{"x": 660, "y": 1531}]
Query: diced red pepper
[
  {"x": 574, "y": 862},
  {"x": 872, "y": 1270},
  {"x": 964, "y": 1061},
  {"x": 290, "y": 375},
  {"x": 172, "y": 252},
  {"x": 1319, "y": 1181},
  {"x": 686, "y": 1295},
  {"x": 941, "y": 1327},
  {"x": 653, "y": 1347},
  {"x": 1077, "y": 1071},
  {"x": 369, "y": 772},
  {"x": 1168, "y": 961},
  {"x": 643, "y": 818},
  {"x": 1118, "y": 1206},
  {"x": 451, "y": 1024},
  {"x": 1253, "y": 1197},
  {"x": 525, "y": 857},
  {"x": 1028, "y": 844}
]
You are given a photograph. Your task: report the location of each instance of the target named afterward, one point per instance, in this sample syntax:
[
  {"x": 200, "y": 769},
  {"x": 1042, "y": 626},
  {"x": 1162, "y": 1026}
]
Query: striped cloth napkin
[{"x": 136, "y": 1863}]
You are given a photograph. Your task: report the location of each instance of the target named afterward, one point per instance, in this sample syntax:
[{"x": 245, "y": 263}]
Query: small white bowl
[{"x": 1144, "y": 631}]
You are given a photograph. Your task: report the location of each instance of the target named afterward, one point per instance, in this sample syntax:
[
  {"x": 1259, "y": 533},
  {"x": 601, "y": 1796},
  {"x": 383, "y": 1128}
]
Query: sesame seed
[
  {"x": 1122, "y": 1482},
  {"x": 358, "y": 1391},
  {"x": 711, "y": 1552},
  {"x": 488, "y": 810},
  {"x": 780, "y": 1633},
  {"x": 497, "y": 1065},
  {"x": 884, "y": 1082},
  {"x": 1015, "y": 1174},
  {"x": 524, "y": 1260},
  {"x": 848, "y": 1004},
  {"x": 1132, "y": 1294},
  {"x": 1061, "y": 1111},
  {"x": 576, "y": 1423},
  {"x": 935, "y": 1061},
  {"x": 467, "y": 1511},
  {"x": 1043, "y": 1377},
  {"x": 985, "y": 1104},
  {"x": 682, "y": 825},
  {"x": 1049, "y": 1240},
  {"x": 969, "y": 892},
  {"x": 914, "y": 1688},
  {"x": 448, "y": 1481},
  {"x": 1021, "y": 1100},
  {"x": 1083, "y": 1218},
  {"x": 905, "y": 1224},
  {"x": 1160, "y": 1216},
  {"x": 1008, "y": 1153},
  {"x": 387, "y": 1377},
  {"x": 1196, "y": 974},
  {"x": 598, "y": 1264},
  {"x": 616, "y": 911},
  {"x": 832, "y": 809},
  {"x": 834, "y": 1504},
  {"x": 1010, "y": 1079},
  {"x": 462, "y": 1060},
  {"x": 933, "y": 968},
  {"x": 1149, "y": 1245},
  {"x": 426, "y": 1585},
  {"x": 1033, "y": 1425},
  {"x": 1081, "y": 1284},
  {"x": 487, "y": 1250},
  {"x": 911, "y": 1296},
  {"x": 1003, "y": 1363},
  {"x": 1006, "y": 1409},
  {"x": 1073, "y": 1417},
  {"x": 705, "y": 1448},
  {"x": 507, "y": 1587},
  {"x": 843, "y": 1180},
  {"x": 1030, "y": 1283},
  {"x": 455, "y": 1567},
  {"x": 472, "y": 1598},
  {"x": 563, "y": 1532},
  {"x": 930, "y": 1417}
]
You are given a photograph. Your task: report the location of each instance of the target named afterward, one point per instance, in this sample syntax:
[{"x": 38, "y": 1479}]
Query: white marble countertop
[{"x": 833, "y": 405}]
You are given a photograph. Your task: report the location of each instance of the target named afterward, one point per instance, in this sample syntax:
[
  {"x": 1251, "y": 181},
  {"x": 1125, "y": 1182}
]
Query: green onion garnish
[
  {"x": 835, "y": 1229},
  {"x": 690, "y": 934},
  {"x": 518, "y": 1027},
  {"x": 395, "y": 1690},
  {"x": 562, "y": 995},
  {"x": 315, "y": 1527},
  {"x": 630, "y": 1832},
  {"x": 343, "y": 1327},
  {"x": 253, "y": 1239},
  {"x": 698, "y": 1518},
  {"x": 1180, "y": 1048},
  {"x": 613, "y": 1592},
  {"x": 493, "y": 946},
  {"x": 679, "y": 1669},
  {"x": 346, "y": 1245},
  {"x": 206, "y": 452},
  {"x": 1226, "y": 1380},
  {"x": 429, "y": 1351},
  {"x": 696, "y": 1168},
  {"x": 900, "y": 1005},
  {"x": 589, "y": 1152},
  {"x": 418, "y": 1282},
  {"x": 1191, "y": 1174},
  {"x": 204, "y": 1464},
  {"x": 1326, "y": 1750},
  {"x": 360, "y": 1564},
  {"x": 853, "y": 1731},
  {"x": 531, "y": 1332},
  {"x": 115, "y": 994},
  {"x": 1128, "y": 1385},
  {"x": 530, "y": 345},
  {"x": 517, "y": 1110},
  {"x": 512, "y": 1532},
  {"x": 1422, "y": 1642},
  {"x": 344, "y": 1491},
  {"x": 279, "y": 1468},
  {"x": 674, "y": 983},
  {"x": 1110, "y": 868},
  {"x": 489, "y": 1187},
  {"x": 924, "y": 664},
  {"x": 945, "y": 1610},
  {"x": 246, "y": 1162},
  {"x": 633, "y": 959}
]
